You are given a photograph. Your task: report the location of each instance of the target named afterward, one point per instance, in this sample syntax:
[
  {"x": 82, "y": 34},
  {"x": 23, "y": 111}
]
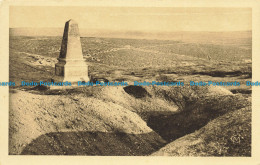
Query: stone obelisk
[{"x": 71, "y": 66}]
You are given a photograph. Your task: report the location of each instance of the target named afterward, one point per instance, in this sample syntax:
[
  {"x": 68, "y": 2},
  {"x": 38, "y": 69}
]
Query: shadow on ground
[
  {"x": 136, "y": 91},
  {"x": 225, "y": 73},
  {"x": 94, "y": 143},
  {"x": 173, "y": 126}
]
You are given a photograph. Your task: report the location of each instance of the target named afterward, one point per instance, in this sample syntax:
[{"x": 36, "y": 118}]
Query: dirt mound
[
  {"x": 183, "y": 96},
  {"x": 227, "y": 135},
  {"x": 34, "y": 115},
  {"x": 118, "y": 95}
]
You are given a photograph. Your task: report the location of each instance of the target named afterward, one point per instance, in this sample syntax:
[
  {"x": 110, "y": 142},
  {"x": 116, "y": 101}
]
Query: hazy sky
[{"x": 134, "y": 18}]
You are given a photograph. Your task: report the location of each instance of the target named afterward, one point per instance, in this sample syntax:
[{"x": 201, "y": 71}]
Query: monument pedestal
[{"x": 71, "y": 71}]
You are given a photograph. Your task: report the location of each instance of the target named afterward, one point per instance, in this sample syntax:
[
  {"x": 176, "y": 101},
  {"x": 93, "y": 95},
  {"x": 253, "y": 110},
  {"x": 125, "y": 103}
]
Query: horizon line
[{"x": 143, "y": 31}]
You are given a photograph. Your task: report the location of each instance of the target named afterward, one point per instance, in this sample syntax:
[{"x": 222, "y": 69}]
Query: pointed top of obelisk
[
  {"x": 71, "y": 27},
  {"x": 71, "y": 46},
  {"x": 71, "y": 21}
]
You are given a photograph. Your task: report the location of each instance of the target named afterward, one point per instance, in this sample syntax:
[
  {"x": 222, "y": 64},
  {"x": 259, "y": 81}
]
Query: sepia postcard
[{"x": 130, "y": 82}]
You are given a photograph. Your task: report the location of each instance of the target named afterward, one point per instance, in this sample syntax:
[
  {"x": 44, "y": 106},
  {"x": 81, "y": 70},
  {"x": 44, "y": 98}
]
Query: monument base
[{"x": 71, "y": 71}]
